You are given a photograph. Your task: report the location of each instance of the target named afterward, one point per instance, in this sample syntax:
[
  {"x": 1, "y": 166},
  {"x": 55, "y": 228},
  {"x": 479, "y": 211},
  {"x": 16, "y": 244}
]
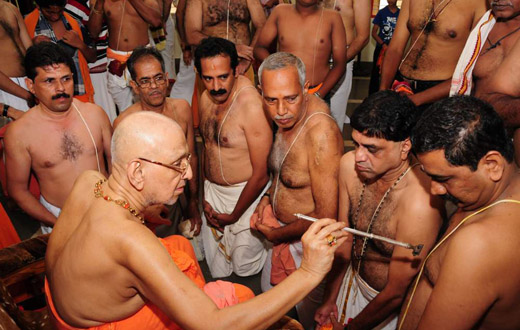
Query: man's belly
[
  {"x": 289, "y": 201},
  {"x": 230, "y": 167},
  {"x": 11, "y": 64}
]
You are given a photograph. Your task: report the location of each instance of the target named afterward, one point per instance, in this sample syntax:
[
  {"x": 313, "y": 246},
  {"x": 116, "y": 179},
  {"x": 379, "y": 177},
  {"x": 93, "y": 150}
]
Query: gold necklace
[{"x": 98, "y": 192}]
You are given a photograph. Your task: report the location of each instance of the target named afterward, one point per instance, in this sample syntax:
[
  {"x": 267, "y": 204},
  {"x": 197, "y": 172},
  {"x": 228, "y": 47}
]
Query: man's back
[
  {"x": 82, "y": 257},
  {"x": 58, "y": 150}
]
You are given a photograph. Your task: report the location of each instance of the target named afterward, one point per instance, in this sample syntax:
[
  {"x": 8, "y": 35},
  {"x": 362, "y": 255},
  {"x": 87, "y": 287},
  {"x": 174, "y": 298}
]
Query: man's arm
[
  {"x": 467, "y": 285},
  {"x": 18, "y": 167},
  {"x": 24, "y": 35},
  {"x": 362, "y": 10},
  {"x": 193, "y": 22},
  {"x": 324, "y": 149},
  {"x": 161, "y": 282},
  {"x": 7, "y": 85},
  {"x": 419, "y": 223},
  {"x": 342, "y": 256},
  {"x": 267, "y": 35},
  {"x": 95, "y": 20},
  {"x": 256, "y": 11},
  {"x": 259, "y": 137},
  {"x": 395, "y": 50},
  {"x": 106, "y": 133},
  {"x": 149, "y": 10},
  {"x": 338, "y": 54},
  {"x": 375, "y": 35},
  {"x": 432, "y": 94},
  {"x": 185, "y": 47},
  {"x": 72, "y": 38}
]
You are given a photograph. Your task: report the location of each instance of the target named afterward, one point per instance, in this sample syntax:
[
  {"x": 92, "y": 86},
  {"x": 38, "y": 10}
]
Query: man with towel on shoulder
[{"x": 304, "y": 161}]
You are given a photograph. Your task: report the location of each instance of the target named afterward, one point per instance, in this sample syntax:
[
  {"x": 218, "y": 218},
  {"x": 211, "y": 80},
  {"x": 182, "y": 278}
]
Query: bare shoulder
[
  {"x": 417, "y": 201},
  {"x": 248, "y": 97},
  {"x": 91, "y": 109},
  {"x": 130, "y": 110},
  {"x": 23, "y": 127},
  {"x": 181, "y": 107},
  {"x": 282, "y": 8},
  {"x": 347, "y": 167}
]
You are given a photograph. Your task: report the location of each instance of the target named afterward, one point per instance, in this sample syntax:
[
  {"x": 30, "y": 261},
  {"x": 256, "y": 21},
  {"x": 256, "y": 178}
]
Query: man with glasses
[
  {"x": 150, "y": 83},
  {"x": 106, "y": 270},
  {"x": 57, "y": 139},
  {"x": 237, "y": 139}
]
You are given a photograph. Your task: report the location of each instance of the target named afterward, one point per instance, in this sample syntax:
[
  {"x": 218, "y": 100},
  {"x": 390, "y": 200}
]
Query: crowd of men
[{"x": 86, "y": 86}]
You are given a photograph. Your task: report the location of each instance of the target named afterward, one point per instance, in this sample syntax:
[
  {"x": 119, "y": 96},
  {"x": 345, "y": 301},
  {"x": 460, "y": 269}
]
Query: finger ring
[{"x": 331, "y": 240}]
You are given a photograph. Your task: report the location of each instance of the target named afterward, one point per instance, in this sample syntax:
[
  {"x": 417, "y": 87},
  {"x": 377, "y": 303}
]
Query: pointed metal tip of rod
[{"x": 417, "y": 249}]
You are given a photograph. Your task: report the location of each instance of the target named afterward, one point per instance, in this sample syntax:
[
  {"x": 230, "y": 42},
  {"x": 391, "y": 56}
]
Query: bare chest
[
  {"x": 221, "y": 126},
  {"x": 290, "y": 165},
  {"x": 491, "y": 56},
  {"x": 62, "y": 146},
  {"x": 121, "y": 12},
  {"x": 442, "y": 19},
  {"x": 314, "y": 34},
  {"x": 372, "y": 212},
  {"x": 215, "y": 12}
]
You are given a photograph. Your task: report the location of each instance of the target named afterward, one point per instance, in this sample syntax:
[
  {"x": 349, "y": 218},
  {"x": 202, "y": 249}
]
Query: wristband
[{"x": 4, "y": 112}]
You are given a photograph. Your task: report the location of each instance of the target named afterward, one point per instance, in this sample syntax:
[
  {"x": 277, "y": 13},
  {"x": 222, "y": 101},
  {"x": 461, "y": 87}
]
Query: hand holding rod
[{"x": 416, "y": 249}]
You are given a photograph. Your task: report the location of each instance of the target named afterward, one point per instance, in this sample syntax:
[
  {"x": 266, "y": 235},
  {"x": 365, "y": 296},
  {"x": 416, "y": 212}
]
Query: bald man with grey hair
[{"x": 104, "y": 268}]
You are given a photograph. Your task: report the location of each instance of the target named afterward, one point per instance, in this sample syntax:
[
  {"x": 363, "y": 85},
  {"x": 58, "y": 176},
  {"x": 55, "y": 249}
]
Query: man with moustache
[
  {"x": 381, "y": 191},
  {"x": 150, "y": 83},
  {"x": 57, "y": 139},
  {"x": 492, "y": 76},
  {"x": 470, "y": 279},
  {"x": 304, "y": 161},
  {"x": 237, "y": 138}
]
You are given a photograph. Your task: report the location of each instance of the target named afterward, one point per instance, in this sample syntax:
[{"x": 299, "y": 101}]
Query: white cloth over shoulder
[
  {"x": 361, "y": 294},
  {"x": 237, "y": 250},
  {"x": 461, "y": 82}
]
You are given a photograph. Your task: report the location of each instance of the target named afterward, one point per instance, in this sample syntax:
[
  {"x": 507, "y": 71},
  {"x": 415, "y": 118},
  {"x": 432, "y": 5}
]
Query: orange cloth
[
  {"x": 314, "y": 89},
  {"x": 282, "y": 262},
  {"x": 117, "y": 56},
  {"x": 225, "y": 294},
  {"x": 30, "y": 22}
]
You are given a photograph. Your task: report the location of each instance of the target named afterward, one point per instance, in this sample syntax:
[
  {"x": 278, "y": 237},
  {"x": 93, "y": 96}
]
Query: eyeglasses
[
  {"x": 185, "y": 163},
  {"x": 147, "y": 82}
]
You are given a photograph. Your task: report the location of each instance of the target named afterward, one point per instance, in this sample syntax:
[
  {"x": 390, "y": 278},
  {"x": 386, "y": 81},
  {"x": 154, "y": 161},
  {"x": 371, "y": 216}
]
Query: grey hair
[{"x": 282, "y": 60}]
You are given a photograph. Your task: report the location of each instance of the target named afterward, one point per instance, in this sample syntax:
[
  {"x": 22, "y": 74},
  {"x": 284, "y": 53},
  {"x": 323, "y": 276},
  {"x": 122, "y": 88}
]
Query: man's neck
[
  {"x": 116, "y": 188},
  {"x": 158, "y": 109},
  {"x": 393, "y": 174},
  {"x": 392, "y": 8},
  {"x": 306, "y": 10},
  {"x": 56, "y": 115}
]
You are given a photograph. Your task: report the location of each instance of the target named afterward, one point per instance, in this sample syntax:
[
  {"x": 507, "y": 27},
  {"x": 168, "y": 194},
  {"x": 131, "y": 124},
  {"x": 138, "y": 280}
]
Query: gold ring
[{"x": 331, "y": 240}]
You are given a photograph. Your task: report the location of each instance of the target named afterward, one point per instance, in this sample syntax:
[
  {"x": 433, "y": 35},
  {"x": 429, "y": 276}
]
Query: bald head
[{"x": 145, "y": 134}]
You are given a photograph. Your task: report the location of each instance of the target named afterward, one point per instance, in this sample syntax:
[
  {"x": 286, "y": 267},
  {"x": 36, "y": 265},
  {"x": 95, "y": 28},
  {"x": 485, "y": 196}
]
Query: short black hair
[
  {"x": 48, "y": 3},
  {"x": 141, "y": 52},
  {"x": 385, "y": 115},
  {"x": 43, "y": 54},
  {"x": 211, "y": 47},
  {"x": 466, "y": 128}
]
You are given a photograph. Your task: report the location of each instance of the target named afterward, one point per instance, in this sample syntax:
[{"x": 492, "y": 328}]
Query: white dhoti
[
  {"x": 308, "y": 306},
  {"x": 339, "y": 97},
  {"x": 54, "y": 211},
  {"x": 357, "y": 294},
  {"x": 236, "y": 250},
  {"x": 12, "y": 100},
  {"x": 185, "y": 83},
  {"x": 102, "y": 97}
]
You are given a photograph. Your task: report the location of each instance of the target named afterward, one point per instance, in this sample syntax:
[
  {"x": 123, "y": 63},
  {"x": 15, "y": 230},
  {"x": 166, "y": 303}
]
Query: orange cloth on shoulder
[{"x": 314, "y": 89}]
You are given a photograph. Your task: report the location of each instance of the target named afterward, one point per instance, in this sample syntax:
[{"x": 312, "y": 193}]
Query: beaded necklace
[{"x": 98, "y": 192}]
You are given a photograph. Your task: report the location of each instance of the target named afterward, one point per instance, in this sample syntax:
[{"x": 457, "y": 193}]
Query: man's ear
[
  {"x": 306, "y": 87},
  {"x": 406, "y": 146},
  {"x": 30, "y": 85},
  {"x": 134, "y": 86},
  {"x": 494, "y": 164},
  {"x": 135, "y": 174}
]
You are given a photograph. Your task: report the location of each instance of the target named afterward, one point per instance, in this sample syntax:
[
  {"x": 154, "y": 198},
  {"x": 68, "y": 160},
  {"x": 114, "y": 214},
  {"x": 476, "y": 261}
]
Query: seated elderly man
[{"x": 105, "y": 269}]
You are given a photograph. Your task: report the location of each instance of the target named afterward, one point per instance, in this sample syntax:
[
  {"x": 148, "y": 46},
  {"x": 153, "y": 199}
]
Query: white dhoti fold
[
  {"x": 12, "y": 100},
  {"x": 357, "y": 294},
  {"x": 236, "y": 250},
  {"x": 54, "y": 211}
]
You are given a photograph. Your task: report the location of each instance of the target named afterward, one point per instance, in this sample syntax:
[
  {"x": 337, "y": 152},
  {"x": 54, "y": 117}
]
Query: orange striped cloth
[{"x": 462, "y": 79}]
